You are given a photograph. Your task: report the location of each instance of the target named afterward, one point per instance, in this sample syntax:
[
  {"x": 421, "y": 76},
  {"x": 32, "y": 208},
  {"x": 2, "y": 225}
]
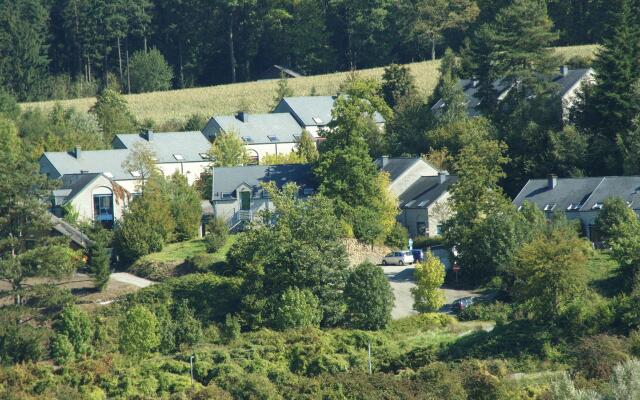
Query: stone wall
[{"x": 359, "y": 253}]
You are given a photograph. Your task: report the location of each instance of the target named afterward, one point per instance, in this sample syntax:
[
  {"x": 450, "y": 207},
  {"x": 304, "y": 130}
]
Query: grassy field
[{"x": 257, "y": 97}]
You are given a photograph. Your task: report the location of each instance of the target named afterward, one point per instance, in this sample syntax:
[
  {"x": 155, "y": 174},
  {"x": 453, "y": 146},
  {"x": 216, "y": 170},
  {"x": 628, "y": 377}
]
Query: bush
[
  {"x": 498, "y": 312},
  {"x": 188, "y": 330},
  {"x": 442, "y": 381},
  {"x": 76, "y": 326},
  {"x": 368, "y": 297},
  {"x": 21, "y": 343},
  {"x": 398, "y": 238},
  {"x": 153, "y": 270},
  {"x": 61, "y": 349},
  {"x": 596, "y": 356},
  {"x": 149, "y": 72},
  {"x": 139, "y": 331},
  {"x": 217, "y": 234},
  {"x": 230, "y": 330},
  {"x": 295, "y": 308},
  {"x": 429, "y": 275}
]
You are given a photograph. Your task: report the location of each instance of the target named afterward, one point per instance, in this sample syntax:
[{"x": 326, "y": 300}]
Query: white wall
[
  {"x": 83, "y": 201},
  {"x": 192, "y": 170},
  {"x": 272, "y": 148},
  {"x": 410, "y": 176}
]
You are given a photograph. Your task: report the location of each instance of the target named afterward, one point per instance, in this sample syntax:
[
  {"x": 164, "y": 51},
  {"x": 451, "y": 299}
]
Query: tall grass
[{"x": 257, "y": 97}]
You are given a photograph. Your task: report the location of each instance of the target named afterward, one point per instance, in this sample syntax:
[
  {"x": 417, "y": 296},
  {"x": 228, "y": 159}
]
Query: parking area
[{"x": 401, "y": 280}]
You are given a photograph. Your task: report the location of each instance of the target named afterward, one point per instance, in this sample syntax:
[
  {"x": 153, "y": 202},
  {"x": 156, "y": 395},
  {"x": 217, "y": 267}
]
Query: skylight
[
  {"x": 178, "y": 157},
  {"x": 135, "y": 174},
  {"x": 273, "y": 138},
  {"x": 597, "y": 206},
  {"x": 317, "y": 120},
  {"x": 247, "y": 139},
  {"x": 204, "y": 156},
  {"x": 423, "y": 203},
  {"x": 550, "y": 207},
  {"x": 573, "y": 206}
]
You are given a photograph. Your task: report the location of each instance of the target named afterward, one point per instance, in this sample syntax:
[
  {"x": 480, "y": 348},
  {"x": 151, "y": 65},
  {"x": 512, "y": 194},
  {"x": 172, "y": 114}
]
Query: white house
[
  {"x": 313, "y": 113},
  {"x": 263, "y": 134}
]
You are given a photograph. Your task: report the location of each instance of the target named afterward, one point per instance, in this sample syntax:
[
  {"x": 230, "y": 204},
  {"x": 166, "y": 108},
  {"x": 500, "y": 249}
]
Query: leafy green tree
[
  {"x": 295, "y": 308},
  {"x": 61, "y": 349},
  {"x": 369, "y": 298},
  {"x": 550, "y": 273},
  {"x": 397, "y": 83},
  {"x": 113, "y": 115},
  {"x": 306, "y": 148},
  {"x": 23, "y": 40},
  {"x": 217, "y": 235},
  {"x": 228, "y": 150},
  {"x": 300, "y": 248},
  {"x": 429, "y": 276},
  {"x": 398, "y": 237},
  {"x": 149, "y": 72},
  {"x": 141, "y": 159},
  {"x": 27, "y": 249},
  {"x": 9, "y": 107},
  {"x": 99, "y": 264},
  {"x": 613, "y": 218},
  {"x": 138, "y": 331},
  {"x": 188, "y": 330},
  {"x": 282, "y": 90},
  {"x": 74, "y": 323},
  {"x": 230, "y": 329},
  {"x": 185, "y": 207}
]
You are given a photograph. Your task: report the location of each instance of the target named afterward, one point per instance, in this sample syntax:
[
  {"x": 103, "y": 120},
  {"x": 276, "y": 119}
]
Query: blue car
[{"x": 418, "y": 255}]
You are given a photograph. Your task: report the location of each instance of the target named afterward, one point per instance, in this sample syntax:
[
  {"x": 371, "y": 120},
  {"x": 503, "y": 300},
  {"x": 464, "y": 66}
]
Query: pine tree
[
  {"x": 306, "y": 148},
  {"x": 99, "y": 263}
]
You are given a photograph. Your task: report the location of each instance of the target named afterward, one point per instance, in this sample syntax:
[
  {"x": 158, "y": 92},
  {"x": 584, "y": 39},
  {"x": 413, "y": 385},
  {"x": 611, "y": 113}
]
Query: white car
[{"x": 398, "y": 258}]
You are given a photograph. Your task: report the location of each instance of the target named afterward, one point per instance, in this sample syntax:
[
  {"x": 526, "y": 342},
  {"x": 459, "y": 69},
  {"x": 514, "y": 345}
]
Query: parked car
[
  {"x": 462, "y": 303},
  {"x": 418, "y": 255},
  {"x": 398, "y": 258}
]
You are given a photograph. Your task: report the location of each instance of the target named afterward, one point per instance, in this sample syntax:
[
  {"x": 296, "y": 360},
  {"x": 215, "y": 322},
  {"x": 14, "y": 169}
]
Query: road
[{"x": 401, "y": 280}]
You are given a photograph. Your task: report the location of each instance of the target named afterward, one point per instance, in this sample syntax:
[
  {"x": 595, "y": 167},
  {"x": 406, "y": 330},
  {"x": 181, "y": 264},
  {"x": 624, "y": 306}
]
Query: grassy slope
[
  {"x": 179, "y": 252},
  {"x": 258, "y": 96}
]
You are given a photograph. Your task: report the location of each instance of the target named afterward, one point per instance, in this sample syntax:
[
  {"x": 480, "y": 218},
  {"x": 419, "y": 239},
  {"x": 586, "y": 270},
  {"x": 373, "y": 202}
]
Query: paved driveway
[{"x": 401, "y": 280}]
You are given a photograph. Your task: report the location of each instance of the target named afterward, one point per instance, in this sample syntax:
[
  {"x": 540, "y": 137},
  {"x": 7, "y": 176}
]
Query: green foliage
[
  {"x": 397, "y": 83},
  {"x": 19, "y": 342},
  {"x": 99, "y": 264},
  {"x": 398, "y": 238},
  {"x": 499, "y": 312},
  {"x": 9, "y": 107},
  {"x": 306, "y": 148},
  {"x": 429, "y": 277},
  {"x": 188, "y": 330},
  {"x": 149, "y": 71},
  {"x": 76, "y": 326},
  {"x": 230, "y": 329},
  {"x": 295, "y": 308},
  {"x": 217, "y": 234},
  {"x": 185, "y": 207},
  {"x": 300, "y": 249},
  {"x": 369, "y": 298},
  {"x": 138, "y": 331},
  {"x": 61, "y": 349},
  {"x": 283, "y": 90},
  {"x": 113, "y": 115},
  {"x": 598, "y": 355},
  {"x": 228, "y": 150}
]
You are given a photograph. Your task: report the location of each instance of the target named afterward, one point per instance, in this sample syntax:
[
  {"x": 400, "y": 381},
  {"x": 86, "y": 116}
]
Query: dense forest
[{"x": 71, "y": 48}]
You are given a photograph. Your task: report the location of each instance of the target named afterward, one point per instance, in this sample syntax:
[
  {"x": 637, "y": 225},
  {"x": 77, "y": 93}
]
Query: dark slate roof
[
  {"x": 72, "y": 184},
  {"x": 228, "y": 179},
  {"x": 167, "y": 145},
  {"x": 396, "y": 166},
  {"x": 108, "y": 162},
  {"x": 276, "y": 71},
  {"x": 580, "y": 194},
  {"x": 470, "y": 89},
  {"x": 425, "y": 191},
  {"x": 313, "y": 110},
  {"x": 70, "y": 232},
  {"x": 257, "y": 127}
]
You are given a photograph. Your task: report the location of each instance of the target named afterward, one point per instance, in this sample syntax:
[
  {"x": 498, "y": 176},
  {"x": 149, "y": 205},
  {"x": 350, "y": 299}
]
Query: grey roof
[
  {"x": 425, "y": 191},
  {"x": 166, "y": 145},
  {"x": 396, "y": 166},
  {"x": 582, "y": 194},
  {"x": 69, "y": 231},
  {"x": 275, "y": 72},
  {"x": 313, "y": 110},
  {"x": 470, "y": 89},
  {"x": 91, "y": 161},
  {"x": 72, "y": 184},
  {"x": 257, "y": 127},
  {"x": 228, "y": 179}
]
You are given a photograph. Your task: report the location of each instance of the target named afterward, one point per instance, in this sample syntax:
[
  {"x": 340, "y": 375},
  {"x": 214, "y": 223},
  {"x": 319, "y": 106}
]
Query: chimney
[
  {"x": 552, "y": 181},
  {"x": 243, "y": 116},
  {"x": 77, "y": 152},
  {"x": 148, "y": 134},
  {"x": 442, "y": 176},
  {"x": 564, "y": 70},
  {"x": 385, "y": 161}
]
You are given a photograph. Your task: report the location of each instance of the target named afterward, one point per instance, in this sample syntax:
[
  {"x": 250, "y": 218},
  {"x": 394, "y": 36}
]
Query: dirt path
[{"x": 130, "y": 279}]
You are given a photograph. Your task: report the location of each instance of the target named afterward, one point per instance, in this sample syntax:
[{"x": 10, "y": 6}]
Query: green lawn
[{"x": 179, "y": 252}]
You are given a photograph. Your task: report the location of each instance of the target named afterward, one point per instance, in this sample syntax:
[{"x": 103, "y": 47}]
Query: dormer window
[
  {"x": 178, "y": 157},
  {"x": 226, "y": 195},
  {"x": 573, "y": 207},
  {"x": 597, "y": 206}
]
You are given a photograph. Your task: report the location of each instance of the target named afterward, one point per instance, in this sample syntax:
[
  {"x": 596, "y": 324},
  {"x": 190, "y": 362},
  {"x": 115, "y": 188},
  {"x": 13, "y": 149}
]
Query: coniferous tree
[
  {"x": 306, "y": 148},
  {"x": 99, "y": 262}
]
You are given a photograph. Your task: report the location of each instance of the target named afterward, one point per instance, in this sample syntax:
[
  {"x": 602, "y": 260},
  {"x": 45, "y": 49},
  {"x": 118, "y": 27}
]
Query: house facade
[
  {"x": 580, "y": 198},
  {"x": 238, "y": 194},
  {"x": 262, "y": 134}
]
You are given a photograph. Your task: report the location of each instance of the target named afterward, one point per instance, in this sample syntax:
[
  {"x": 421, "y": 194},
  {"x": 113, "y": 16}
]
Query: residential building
[
  {"x": 262, "y": 134},
  {"x": 183, "y": 152},
  {"x": 313, "y": 113},
  {"x": 93, "y": 196},
  {"x": 278, "y": 72},
  {"x": 238, "y": 194},
  {"x": 580, "y": 198},
  {"x": 568, "y": 82},
  {"x": 405, "y": 171}
]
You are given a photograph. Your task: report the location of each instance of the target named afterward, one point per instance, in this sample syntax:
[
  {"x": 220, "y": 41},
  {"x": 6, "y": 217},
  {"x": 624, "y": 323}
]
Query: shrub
[
  {"x": 429, "y": 276},
  {"x": 295, "y": 308},
  {"x": 21, "y": 343},
  {"x": 626, "y": 380},
  {"x": 498, "y": 312},
  {"x": 596, "y": 356},
  {"x": 149, "y": 72},
  {"x": 188, "y": 329},
  {"x": 76, "y": 326},
  {"x": 217, "y": 234},
  {"x": 230, "y": 330},
  {"x": 139, "y": 331},
  {"x": 212, "y": 391},
  {"x": 112, "y": 111},
  {"x": 153, "y": 269},
  {"x": 442, "y": 381},
  {"x": 368, "y": 297},
  {"x": 61, "y": 349},
  {"x": 398, "y": 238}
]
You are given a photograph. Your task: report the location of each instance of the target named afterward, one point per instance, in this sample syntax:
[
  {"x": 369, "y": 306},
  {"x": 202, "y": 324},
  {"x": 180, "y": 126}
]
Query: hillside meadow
[{"x": 257, "y": 97}]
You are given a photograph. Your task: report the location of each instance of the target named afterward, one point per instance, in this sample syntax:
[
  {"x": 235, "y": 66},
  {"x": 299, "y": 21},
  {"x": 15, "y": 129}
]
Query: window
[
  {"x": 317, "y": 120},
  {"x": 573, "y": 207},
  {"x": 103, "y": 209},
  {"x": 226, "y": 195},
  {"x": 597, "y": 206},
  {"x": 178, "y": 157},
  {"x": 273, "y": 138},
  {"x": 421, "y": 228},
  {"x": 439, "y": 229},
  {"x": 247, "y": 139}
]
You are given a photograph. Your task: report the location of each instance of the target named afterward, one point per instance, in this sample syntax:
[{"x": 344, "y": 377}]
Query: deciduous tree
[
  {"x": 369, "y": 298},
  {"x": 429, "y": 276}
]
